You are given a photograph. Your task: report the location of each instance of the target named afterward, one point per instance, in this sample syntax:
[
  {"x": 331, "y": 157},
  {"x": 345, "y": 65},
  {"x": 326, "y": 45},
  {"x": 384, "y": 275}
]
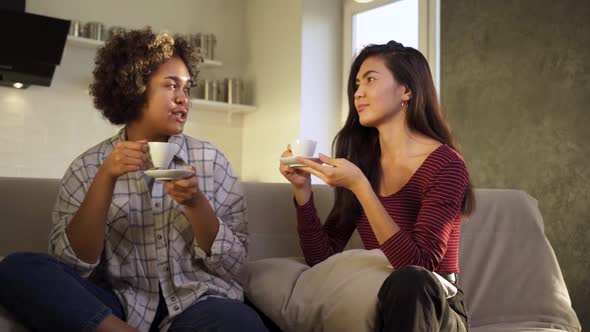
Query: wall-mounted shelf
[
  {"x": 217, "y": 106},
  {"x": 93, "y": 44}
]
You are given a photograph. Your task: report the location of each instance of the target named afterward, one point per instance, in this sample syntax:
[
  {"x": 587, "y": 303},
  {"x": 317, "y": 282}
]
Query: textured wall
[{"x": 515, "y": 83}]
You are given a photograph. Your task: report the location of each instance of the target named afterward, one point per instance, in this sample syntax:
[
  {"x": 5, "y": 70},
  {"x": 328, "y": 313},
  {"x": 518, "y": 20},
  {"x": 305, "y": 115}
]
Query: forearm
[
  {"x": 204, "y": 222},
  {"x": 381, "y": 222},
  {"x": 302, "y": 194},
  {"x": 86, "y": 231}
]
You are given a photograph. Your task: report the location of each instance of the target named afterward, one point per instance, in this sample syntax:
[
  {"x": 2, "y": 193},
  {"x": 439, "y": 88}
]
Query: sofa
[{"x": 509, "y": 272}]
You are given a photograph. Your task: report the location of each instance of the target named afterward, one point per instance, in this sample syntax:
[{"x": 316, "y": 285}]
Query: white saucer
[
  {"x": 292, "y": 162},
  {"x": 168, "y": 174}
]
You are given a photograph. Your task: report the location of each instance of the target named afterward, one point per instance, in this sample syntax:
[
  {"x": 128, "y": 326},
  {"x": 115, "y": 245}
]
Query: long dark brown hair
[{"x": 360, "y": 145}]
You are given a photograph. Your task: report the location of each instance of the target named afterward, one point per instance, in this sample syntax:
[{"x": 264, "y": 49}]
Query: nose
[
  {"x": 182, "y": 97},
  {"x": 359, "y": 92}
]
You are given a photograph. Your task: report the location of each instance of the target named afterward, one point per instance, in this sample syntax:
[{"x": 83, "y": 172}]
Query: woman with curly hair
[
  {"x": 400, "y": 182},
  {"x": 127, "y": 252}
]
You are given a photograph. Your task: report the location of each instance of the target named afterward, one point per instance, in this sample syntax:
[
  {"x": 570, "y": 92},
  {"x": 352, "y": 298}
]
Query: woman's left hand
[
  {"x": 185, "y": 191},
  {"x": 339, "y": 173}
]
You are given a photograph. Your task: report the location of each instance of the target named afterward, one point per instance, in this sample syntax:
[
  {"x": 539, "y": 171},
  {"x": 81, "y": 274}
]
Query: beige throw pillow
[{"x": 340, "y": 294}]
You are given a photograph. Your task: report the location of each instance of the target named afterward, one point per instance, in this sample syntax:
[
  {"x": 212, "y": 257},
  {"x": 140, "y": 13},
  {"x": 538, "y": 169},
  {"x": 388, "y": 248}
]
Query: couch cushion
[
  {"x": 509, "y": 271},
  {"x": 272, "y": 222}
]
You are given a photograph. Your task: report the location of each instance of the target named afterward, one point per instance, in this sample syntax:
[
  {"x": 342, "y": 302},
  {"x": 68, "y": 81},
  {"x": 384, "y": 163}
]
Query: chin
[
  {"x": 366, "y": 122},
  {"x": 175, "y": 130}
]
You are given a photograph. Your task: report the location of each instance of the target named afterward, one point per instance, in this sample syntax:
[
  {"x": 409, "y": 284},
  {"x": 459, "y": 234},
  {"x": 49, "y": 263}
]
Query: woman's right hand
[
  {"x": 298, "y": 179},
  {"x": 127, "y": 157}
]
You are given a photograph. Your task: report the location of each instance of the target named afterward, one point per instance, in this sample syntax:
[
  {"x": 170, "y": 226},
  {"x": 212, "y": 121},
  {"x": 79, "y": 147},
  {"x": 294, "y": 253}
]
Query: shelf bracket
[{"x": 228, "y": 117}]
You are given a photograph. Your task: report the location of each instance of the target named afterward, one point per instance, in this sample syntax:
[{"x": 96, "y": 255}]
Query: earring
[{"x": 402, "y": 104}]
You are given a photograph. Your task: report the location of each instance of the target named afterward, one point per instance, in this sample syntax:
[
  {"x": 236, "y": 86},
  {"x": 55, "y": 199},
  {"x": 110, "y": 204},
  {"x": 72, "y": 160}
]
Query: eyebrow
[
  {"x": 177, "y": 79},
  {"x": 367, "y": 73}
]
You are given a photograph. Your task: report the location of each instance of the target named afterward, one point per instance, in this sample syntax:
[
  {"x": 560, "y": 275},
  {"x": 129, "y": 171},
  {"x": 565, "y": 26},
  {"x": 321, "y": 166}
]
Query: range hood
[{"x": 31, "y": 47}]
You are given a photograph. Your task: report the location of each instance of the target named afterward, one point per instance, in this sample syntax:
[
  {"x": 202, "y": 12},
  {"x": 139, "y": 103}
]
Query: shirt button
[
  {"x": 176, "y": 308},
  {"x": 173, "y": 299},
  {"x": 159, "y": 236},
  {"x": 157, "y": 205},
  {"x": 166, "y": 268}
]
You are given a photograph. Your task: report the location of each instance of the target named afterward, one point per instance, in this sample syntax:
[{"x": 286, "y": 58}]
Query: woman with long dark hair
[{"x": 400, "y": 181}]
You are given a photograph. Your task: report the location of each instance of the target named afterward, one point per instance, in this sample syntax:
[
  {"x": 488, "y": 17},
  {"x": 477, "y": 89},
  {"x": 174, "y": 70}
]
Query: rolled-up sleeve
[
  {"x": 71, "y": 195},
  {"x": 230, "y": 247}
]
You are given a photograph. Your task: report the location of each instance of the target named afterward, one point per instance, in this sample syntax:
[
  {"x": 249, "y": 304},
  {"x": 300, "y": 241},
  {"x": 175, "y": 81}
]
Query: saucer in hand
[
  {"x": 291, "y": 161},
  {"x": 169, "y": 174}
]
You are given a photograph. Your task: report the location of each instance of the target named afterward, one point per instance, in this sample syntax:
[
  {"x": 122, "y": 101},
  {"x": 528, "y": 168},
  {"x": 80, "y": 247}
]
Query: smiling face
[
  {"x": 167, "y": 105},
  {"x": 378, "y": 96}
]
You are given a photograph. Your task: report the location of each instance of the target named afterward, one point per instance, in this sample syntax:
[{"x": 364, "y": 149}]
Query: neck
[
  {"x": 395, "y": 137},
  {"x": 136, "y": 132}
]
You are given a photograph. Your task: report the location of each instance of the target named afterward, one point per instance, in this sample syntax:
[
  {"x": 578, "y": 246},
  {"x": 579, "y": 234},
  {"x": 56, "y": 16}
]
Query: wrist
[
  {"x": 361, "y": 186},
  {"x": 302, "y": 194},
  {"x": 104, "y": 176},
  {"x": 198, "y": 199}
]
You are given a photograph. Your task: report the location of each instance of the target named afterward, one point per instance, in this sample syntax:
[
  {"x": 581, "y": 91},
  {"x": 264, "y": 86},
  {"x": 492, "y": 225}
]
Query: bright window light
[{"x": 395, "y": 21}]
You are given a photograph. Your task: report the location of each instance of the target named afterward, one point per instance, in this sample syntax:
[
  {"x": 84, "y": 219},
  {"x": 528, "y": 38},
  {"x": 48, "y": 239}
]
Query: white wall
[
  {"x": 43, "y": 129},
  {"x": 273, "y": 62},
  {"x": 321, "y": 74},
  {"x": 294, "y": 59},
  {"x": 288, "y": 51}
]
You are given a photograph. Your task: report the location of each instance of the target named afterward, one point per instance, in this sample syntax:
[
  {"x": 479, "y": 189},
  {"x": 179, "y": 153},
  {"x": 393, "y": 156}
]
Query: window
[
  {"x": 413, "y": 23},
  {"x": 397, "y": 20}
]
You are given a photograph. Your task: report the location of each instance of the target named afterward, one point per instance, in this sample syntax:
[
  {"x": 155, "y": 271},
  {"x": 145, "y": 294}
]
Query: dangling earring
[{"x": 402, "y": 104}]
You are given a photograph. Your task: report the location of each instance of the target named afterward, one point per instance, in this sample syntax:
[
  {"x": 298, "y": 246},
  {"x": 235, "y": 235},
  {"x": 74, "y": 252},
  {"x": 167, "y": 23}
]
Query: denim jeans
[{"x": 44, "y": 294}]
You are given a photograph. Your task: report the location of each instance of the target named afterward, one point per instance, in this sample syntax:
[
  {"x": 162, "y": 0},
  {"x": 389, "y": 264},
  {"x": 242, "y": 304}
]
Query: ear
[{"x": 407, "y": 94}]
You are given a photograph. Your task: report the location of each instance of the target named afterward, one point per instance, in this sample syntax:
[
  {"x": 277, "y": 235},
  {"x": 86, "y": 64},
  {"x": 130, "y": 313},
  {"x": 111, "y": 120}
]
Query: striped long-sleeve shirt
[
  {"x": 427, "y": 209},
  {"x": 149, "y": 241}
]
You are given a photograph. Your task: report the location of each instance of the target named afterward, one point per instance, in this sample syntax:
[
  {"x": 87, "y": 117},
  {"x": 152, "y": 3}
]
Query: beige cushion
[
  {"x": 509, "y": 272},
  {"x": 340, "y": 294}
]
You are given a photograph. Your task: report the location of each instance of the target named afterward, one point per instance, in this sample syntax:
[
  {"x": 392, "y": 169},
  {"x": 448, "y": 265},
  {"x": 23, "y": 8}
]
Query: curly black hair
[{"x": 124, "y": 66}]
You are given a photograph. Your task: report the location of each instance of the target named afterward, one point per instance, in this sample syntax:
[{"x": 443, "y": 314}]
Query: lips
[
  {"x": 361, "y": 107},
  {"x": 179, "y": 115}
]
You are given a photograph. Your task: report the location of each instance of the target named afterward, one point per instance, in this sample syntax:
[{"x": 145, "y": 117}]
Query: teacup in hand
[
  {"x": 161, "y": 154},
  {"x": 303, "y": 147}
]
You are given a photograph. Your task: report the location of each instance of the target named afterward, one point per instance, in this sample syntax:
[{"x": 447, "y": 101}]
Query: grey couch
[{"x": 509, "y": 273}]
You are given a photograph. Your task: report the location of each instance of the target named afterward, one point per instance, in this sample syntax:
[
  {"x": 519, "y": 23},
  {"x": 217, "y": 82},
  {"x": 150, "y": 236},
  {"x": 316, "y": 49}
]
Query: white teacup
[
  {"x": 161, "y": 153},
  {"x": 303, "y": 147}
]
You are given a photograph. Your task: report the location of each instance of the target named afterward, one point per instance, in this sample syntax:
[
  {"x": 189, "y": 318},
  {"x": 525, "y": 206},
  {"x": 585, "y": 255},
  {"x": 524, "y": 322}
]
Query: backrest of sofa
[
  {"x": 26, "y": 205},
  {"x": 25, "y": 213},
  {"x": 509, "y": 271},
  {"x": 272, "y": 219}
]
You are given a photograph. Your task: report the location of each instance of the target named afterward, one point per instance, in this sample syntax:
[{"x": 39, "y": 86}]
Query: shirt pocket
[
  {"x": 181, "y": 236},
  {"x": 119, "y": 250},
  {"x": 118, "y": 211}
]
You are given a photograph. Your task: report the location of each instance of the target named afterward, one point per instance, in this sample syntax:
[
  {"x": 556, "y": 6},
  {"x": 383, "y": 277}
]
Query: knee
[
  {"x": 23, "y": 262},
  {"x": 246, "y": 320},
  {"x": 410, "y": 281}
]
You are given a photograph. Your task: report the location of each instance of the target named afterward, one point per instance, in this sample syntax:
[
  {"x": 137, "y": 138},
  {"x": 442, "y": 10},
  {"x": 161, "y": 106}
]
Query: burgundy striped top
[{"x": 427, "y": 209}]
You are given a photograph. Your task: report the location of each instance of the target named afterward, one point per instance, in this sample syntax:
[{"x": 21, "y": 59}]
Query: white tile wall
[{"x": 43, "y": 129}]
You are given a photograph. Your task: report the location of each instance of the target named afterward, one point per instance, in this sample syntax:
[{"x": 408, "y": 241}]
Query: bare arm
[{"x": 86, "y": 230}]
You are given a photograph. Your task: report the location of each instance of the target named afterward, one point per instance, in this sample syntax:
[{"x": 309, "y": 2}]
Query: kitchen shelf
[
  {"x": 93, "y": 44},
  {"x": 217, "y": 106}
]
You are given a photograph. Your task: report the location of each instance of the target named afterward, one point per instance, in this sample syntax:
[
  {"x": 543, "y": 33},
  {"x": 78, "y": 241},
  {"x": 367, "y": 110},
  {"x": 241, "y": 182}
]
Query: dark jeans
[
  {"x": 412, "y": 299},
  {"x": 46, "y": 295}
]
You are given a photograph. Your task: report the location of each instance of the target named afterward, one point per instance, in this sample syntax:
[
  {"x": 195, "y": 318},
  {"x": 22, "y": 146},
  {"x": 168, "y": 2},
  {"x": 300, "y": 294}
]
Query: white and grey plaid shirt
[{"x": 149, "y": 240}]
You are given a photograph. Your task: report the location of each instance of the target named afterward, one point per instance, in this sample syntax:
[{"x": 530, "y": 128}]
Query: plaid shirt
[{"x": 149, "y": 241}]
